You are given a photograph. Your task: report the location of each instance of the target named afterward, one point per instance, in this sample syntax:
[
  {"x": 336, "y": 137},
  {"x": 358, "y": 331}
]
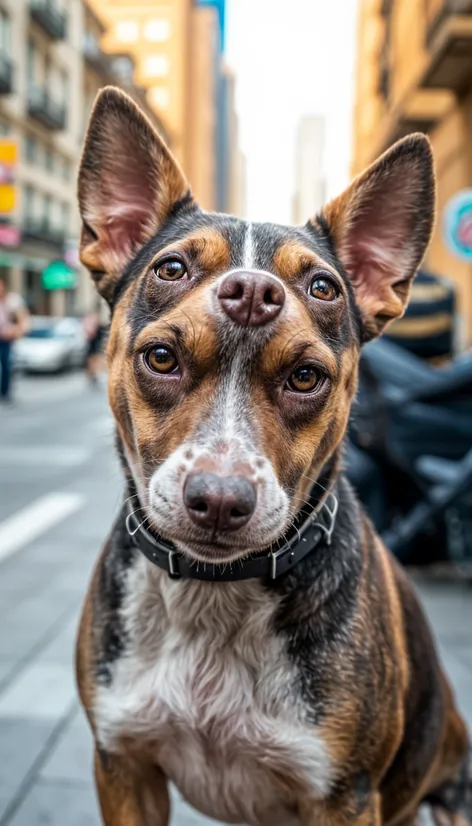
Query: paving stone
[
  {"x": 6, "y": 667},
  {"x": 6, "y": 796},
  {"x": 61, "y": 648},
  {"x": 21, "y": 742},
  {"x": 39, "y": 692},
  {"x": 72, "y": 759},
  {"x": 461, "y": 678},
  {"x": 52, "y": 804},
  {"x": 464, "y": 654},
  {"x": 449, "y": 607}
]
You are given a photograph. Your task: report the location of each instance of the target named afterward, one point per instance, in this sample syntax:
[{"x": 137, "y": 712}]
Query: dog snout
[
  {"x": 251, "y": 299},
  {"x": 219, "y": 503}
]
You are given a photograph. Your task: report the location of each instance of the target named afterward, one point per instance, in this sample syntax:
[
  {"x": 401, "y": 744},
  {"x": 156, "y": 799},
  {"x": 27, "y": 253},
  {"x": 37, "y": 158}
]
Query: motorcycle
[{"x": 409, "y": 453}]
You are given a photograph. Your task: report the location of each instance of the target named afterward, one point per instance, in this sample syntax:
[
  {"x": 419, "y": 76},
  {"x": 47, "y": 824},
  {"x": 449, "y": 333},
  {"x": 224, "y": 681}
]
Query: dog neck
[{"x": 312, "y": 525}]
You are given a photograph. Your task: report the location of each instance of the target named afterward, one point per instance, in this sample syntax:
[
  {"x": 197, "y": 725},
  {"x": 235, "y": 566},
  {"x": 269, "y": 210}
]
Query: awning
[{"x": 58, "y": 276}]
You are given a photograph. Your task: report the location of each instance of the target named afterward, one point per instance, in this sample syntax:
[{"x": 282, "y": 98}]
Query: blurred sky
[{"x": 291, "y": 58}]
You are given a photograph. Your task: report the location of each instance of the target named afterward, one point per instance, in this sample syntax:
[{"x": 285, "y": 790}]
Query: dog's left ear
[
  {"x": 380, "y": 228},
  {"x": 128, "y": 184}
]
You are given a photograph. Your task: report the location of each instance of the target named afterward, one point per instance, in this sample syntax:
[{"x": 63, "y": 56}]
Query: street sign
[
  {"x": 8, "y": 159},
  {"x": 7, "y": 198},
  {"x": 58, "y": 276},
  {"x": 9, "y": 236},
  {"x": 458, "y": 225}
]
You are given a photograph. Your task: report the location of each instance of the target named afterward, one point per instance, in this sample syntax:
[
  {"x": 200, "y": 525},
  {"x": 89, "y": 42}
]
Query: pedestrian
[
  {"x": 13, "y": 324},
  {"x": 95, "y": 332}
]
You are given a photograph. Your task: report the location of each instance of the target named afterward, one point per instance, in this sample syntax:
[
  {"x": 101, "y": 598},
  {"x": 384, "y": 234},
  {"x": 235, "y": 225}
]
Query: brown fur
[{"x": 376, "y": 680}]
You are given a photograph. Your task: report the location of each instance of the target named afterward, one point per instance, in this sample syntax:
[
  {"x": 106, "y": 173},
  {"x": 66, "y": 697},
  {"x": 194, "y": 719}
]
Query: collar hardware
[{"x": 267, "y": 564}]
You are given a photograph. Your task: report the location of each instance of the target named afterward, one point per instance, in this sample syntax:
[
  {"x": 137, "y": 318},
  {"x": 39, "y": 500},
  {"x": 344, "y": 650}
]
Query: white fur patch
[
  {"x": 248, "y": 248},
  {"x": 206, "y": 685}
]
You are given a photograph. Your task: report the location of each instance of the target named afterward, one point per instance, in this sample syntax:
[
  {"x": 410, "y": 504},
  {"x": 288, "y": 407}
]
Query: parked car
[{"x": 50, "y": 345}]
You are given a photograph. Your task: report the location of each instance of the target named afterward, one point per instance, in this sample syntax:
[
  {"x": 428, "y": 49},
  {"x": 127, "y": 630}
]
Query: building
[
  {"x": 178, "y": 52},
  {"x": 414, "y": 73},
  {"x": 51, "y": 67},
  {"x": 310, "y": 184},
  {"x": 40, "y": 114}
]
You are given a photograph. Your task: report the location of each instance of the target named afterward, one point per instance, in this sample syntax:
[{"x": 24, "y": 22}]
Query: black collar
[{"x": 304, "y": 536}]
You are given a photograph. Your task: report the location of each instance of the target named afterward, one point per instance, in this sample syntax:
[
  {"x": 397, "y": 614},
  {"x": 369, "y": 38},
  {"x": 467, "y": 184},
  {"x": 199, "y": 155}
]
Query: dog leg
[
  {"x": 130, "y": 794},
  {"x": 316, "y": 813}
]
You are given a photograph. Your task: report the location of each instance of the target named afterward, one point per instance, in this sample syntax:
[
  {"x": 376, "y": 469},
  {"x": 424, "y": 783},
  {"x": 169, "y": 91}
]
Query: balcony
[
  {"x": 51, "y": 19},
  {"x": 6, "y": 75},
  {"x": 449, "y": 41},
  {"x": 43, "y": 108},
  {"x": 439, "y": 11},
  {"x": 39, "y": 229},
  {"x": 423, "y": 110},
  {"x": 95, "y": 57}
]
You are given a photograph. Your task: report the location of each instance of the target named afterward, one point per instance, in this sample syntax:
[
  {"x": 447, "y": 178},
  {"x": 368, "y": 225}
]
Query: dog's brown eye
[
  {"x": 171, "y": 270},
  {"x": 161, "y": 360},
  {"x": 323, "y": 288},
  {"x": 304, "y": 379}
]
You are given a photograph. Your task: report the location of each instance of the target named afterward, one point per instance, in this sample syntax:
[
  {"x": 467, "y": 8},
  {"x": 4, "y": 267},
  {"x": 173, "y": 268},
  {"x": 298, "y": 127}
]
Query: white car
[{"x": 50, "y": 345}]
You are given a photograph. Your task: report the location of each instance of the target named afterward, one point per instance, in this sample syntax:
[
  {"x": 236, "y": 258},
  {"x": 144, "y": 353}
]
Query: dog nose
[
  {"x": 250, "y": 298},
  {"x": 220, "y": 503}
]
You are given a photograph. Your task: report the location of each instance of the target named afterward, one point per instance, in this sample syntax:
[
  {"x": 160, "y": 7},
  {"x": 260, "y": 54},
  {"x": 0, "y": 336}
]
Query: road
[{"x": 60, "y": 487}]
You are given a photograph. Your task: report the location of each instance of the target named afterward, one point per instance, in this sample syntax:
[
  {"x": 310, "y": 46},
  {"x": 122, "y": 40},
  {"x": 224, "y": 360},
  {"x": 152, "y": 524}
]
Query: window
[
  {"x": 156, "y": 65},
  {"x": 157, "y": 30},
  {"x": 28, "y": 203},
  {"x": 49, "y": 160},
  {"x": 65, "y": 217},
  {"x": 30, "y": 149},
  {"x": 160, "y": 96},
  {"x": 47, "y": 206},
  {"x": 31, "y": 63},
  {"x": 127, "y": 31},
  {"x": 123, "y": 67},
  {"x": 5, "y": 37},
  {"x": 4, "y": 128},
  {"x": 64, "y": 86}
]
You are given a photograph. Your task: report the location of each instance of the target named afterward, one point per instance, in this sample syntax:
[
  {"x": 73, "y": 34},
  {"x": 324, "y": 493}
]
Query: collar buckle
[
  {"x": 173, "y": 571},
  {"x": 331, "y": 513}
]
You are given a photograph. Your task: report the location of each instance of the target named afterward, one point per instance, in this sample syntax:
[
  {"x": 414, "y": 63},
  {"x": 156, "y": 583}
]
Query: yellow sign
[
  {"x": 8, "y": 153},
  {"x": 7, "y": 198},
  {"x": 8, "y": 159}
]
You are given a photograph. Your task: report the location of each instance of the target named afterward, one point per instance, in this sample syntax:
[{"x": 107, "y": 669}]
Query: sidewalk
[{"x": 45, "y": 746}]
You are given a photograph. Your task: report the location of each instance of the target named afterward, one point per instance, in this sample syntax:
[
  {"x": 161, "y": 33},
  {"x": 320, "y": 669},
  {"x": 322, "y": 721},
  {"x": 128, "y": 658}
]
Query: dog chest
[{"x": 211, "y": 695}]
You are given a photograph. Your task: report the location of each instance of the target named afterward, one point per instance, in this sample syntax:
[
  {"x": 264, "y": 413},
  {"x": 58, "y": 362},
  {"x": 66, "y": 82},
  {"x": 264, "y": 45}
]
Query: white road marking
[{"x": 27, "y": 524}]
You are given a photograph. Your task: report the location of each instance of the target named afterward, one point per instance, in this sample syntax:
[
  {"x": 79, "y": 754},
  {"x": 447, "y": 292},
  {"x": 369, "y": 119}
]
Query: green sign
[{"x": 58, "y": 276}]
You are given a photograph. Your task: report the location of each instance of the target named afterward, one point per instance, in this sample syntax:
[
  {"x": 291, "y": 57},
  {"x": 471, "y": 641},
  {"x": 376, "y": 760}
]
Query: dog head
[{"x": 233, "y": 347}]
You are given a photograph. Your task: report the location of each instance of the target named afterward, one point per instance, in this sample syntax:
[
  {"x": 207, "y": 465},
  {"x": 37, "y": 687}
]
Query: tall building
[
  {"x": 178, "y": 52},
  {"x": 51, "y": 67},
  {"x": 310, "y": 185},
  {"x": 414, "y": 73}
]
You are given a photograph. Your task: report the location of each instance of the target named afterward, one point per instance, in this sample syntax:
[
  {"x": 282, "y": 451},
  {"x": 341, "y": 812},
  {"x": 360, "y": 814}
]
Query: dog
[{"x": 246, "y": 636}]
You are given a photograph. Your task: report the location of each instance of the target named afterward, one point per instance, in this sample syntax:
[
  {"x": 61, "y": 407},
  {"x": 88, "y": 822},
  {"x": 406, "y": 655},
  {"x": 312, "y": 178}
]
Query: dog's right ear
[{"x": 128, "y": 184}]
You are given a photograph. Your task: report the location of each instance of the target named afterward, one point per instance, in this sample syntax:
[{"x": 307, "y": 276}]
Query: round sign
[
  {"x": 458, "y": 225},
  {"x": 58, "y": 276}
]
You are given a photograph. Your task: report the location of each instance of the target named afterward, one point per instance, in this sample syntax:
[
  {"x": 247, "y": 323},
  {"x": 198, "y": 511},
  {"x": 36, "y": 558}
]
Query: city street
[{"x": 60, "y": 487}]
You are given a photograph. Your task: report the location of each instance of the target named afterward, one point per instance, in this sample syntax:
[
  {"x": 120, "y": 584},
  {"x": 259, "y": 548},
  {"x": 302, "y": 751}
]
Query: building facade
[
  {"x": 414, "y": 73},
  {"x": 54, "y": 57},
  {"x": 310, "y": 184},
  {"x": 178, "y": 52},
  {"x": 40, "y": 115}
]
